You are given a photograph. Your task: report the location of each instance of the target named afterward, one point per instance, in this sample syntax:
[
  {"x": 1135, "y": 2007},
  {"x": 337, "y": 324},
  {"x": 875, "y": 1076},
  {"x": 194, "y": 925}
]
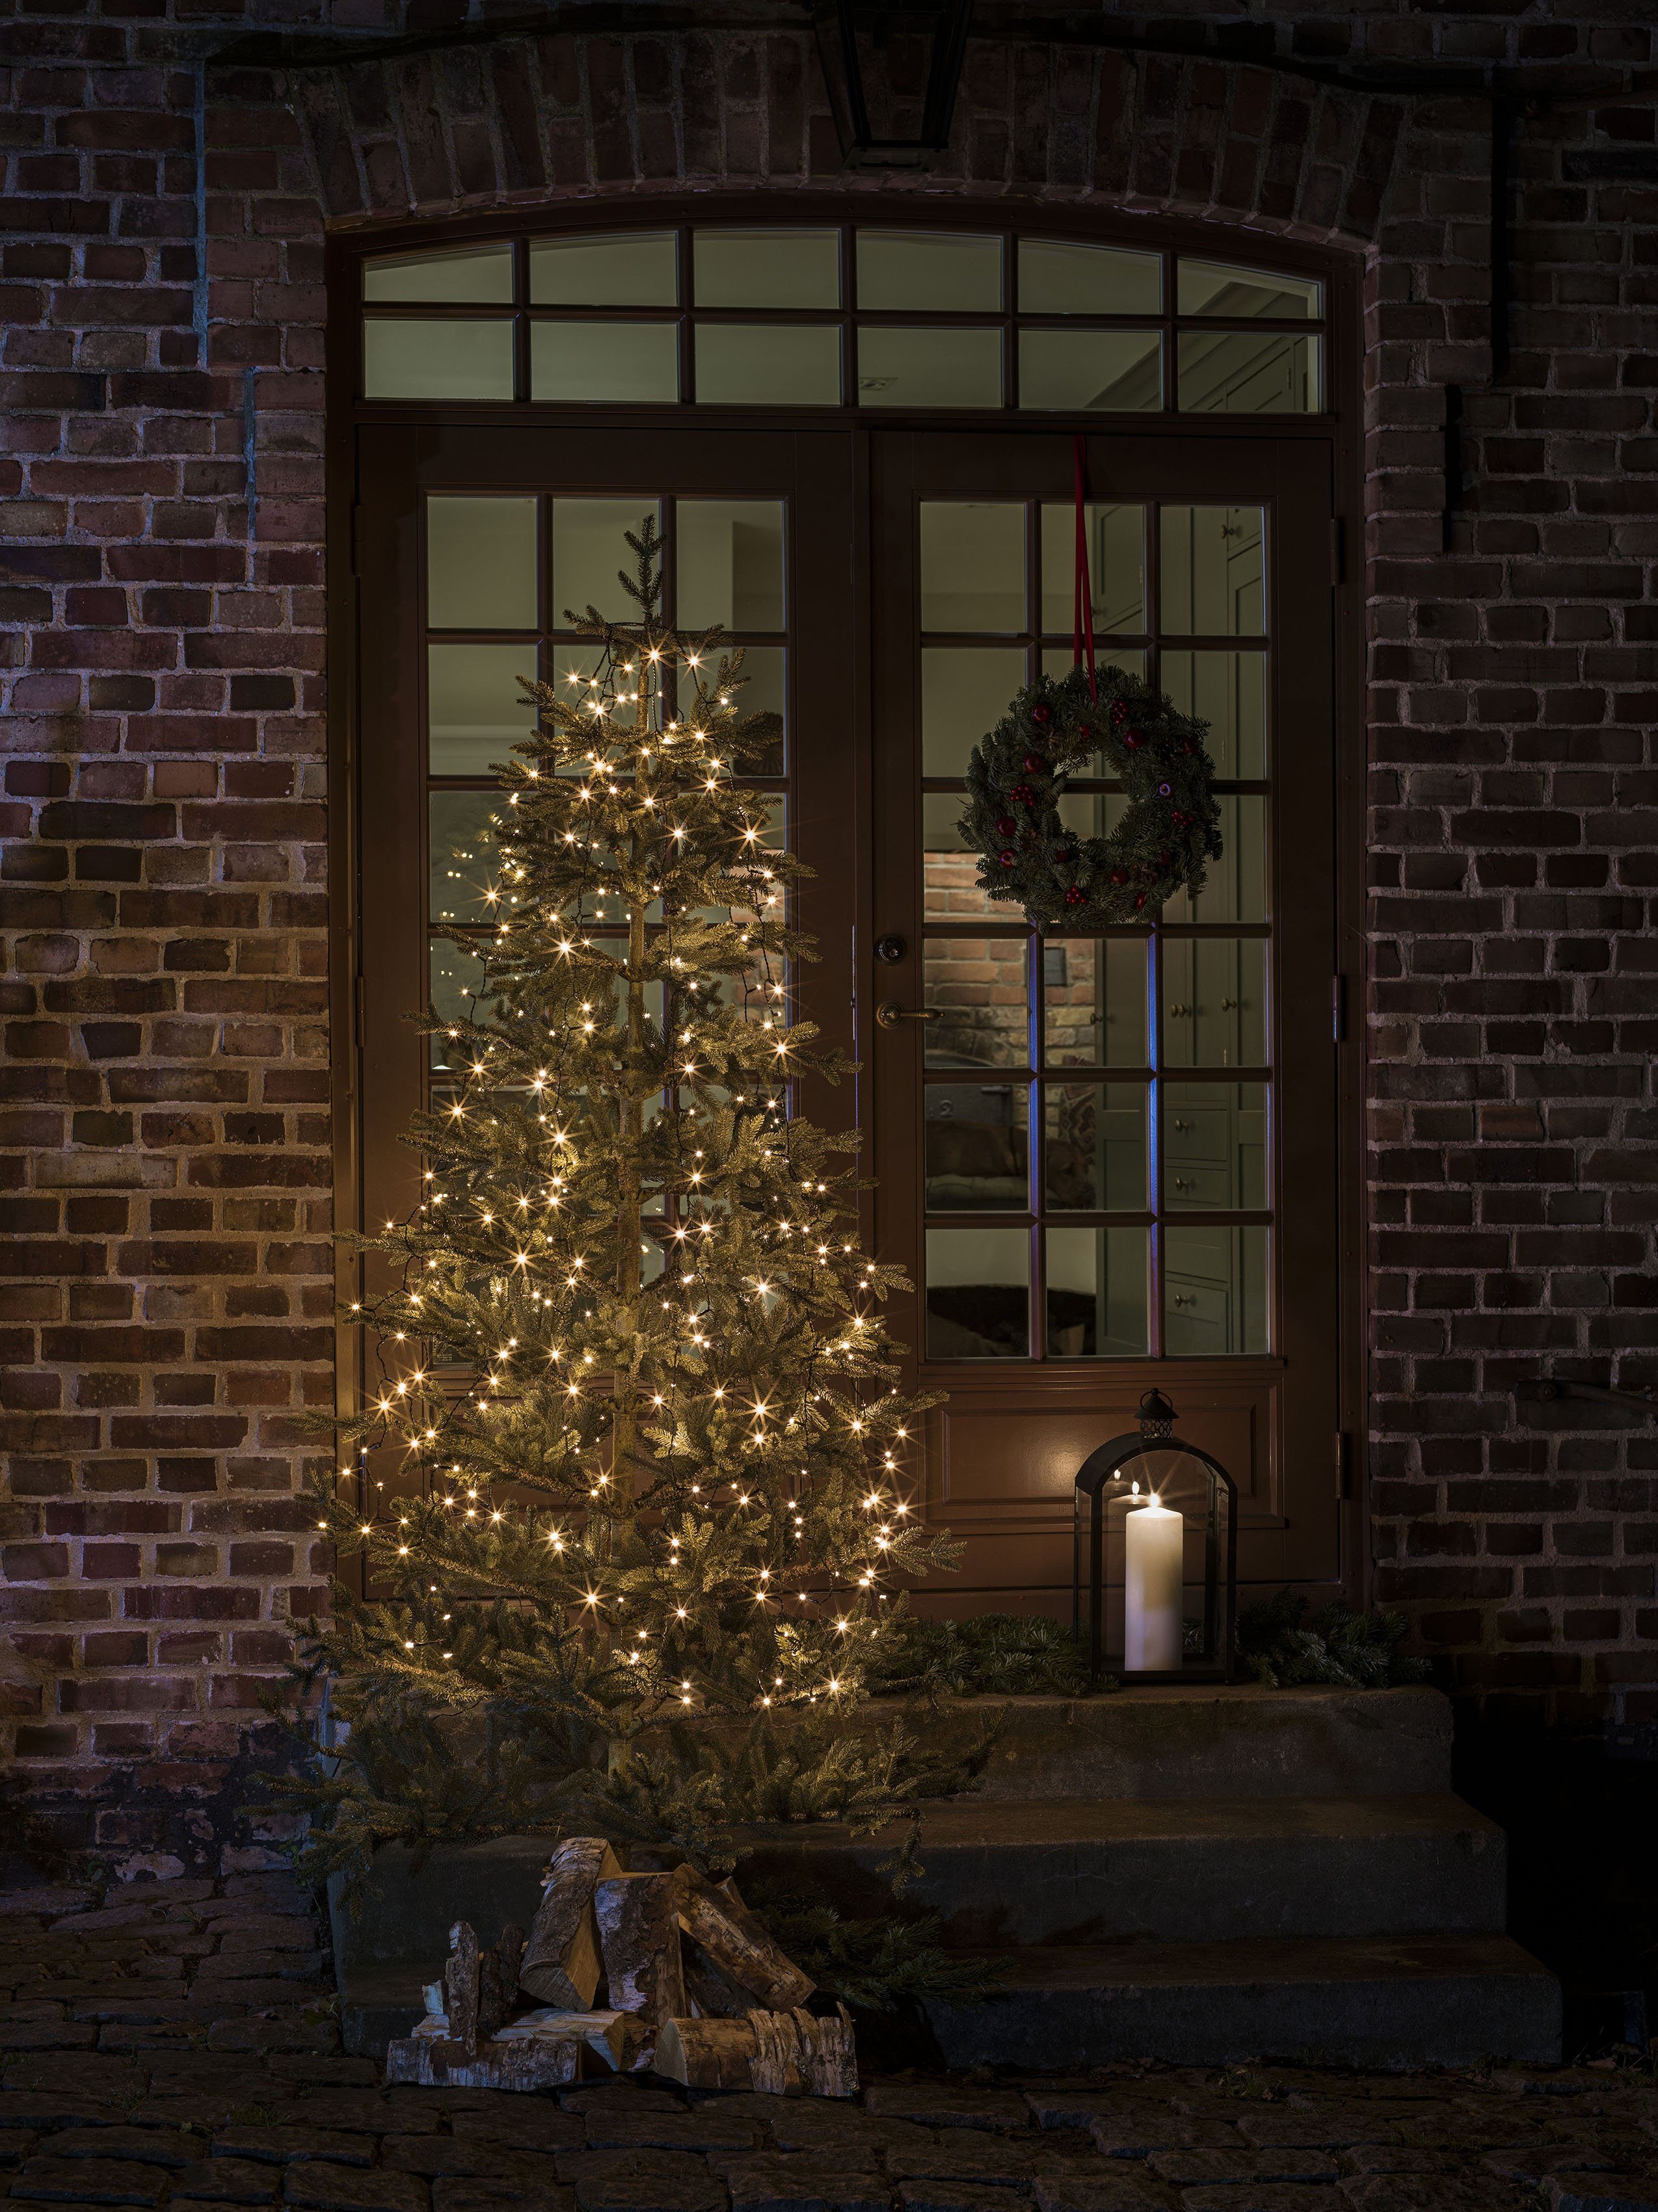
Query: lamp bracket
[{"x": 835, "y": 25}]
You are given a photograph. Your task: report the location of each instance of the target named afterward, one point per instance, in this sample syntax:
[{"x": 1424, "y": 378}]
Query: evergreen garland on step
[
  {"x": 1019, "y": 775},
  {"x": 1280, "y": 1647}
]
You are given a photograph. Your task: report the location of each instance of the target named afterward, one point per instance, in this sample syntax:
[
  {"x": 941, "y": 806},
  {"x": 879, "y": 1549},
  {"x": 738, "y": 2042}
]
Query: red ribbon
[{"x": 1082, "y": 613}]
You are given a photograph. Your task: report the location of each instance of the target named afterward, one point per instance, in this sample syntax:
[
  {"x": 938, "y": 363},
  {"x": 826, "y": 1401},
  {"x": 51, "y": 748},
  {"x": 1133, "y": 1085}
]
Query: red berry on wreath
[
  {"x": 1132, "y": 739},
  {"x": 1118, "y": 710},
  {"x": 1006, "y": 858},
  {"x": 1120, "y": 875},
  {"x": 1165, "y": 859},
  {"x": 1007, "y": 824},
  {"x": 1075, "y": 896},
  {"x": 1024, "y": 794},
  {"x": 1139, "y": 900},
  {"x": 1190, "y": 745},
  {"x": 1084, "y": 730},
  {"x": 1036, "y": 762},
  {"x": 1041, "y": 713}
]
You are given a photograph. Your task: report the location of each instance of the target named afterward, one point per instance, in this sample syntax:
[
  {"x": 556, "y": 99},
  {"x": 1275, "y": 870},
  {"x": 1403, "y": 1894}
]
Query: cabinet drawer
[{"x": 1195, "y": 1317}]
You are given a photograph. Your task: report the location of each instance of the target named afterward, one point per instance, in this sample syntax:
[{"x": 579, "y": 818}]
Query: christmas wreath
[{"x": 1018, "y": 774}]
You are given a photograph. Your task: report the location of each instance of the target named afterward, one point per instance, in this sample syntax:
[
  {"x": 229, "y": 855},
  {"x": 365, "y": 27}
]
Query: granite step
[{"x": 1434, "y": 2000}]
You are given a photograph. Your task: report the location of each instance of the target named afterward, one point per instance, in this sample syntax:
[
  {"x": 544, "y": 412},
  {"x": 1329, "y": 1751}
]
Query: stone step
[
  {"x": 1177, "y": 1869},
  {"x": 1443, "y": 2000},
  {"x": 1222, "y": 1739}
]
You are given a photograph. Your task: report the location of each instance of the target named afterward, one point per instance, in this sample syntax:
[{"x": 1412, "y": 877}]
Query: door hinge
[
  {"x": 1344, "y": 1464},
  {"x": 1338, "y": 549},
  {"x": 1338, "y": 1009}
]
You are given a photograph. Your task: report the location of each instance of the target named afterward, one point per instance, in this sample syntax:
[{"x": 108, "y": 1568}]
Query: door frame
[{"x": 1340, "y": 431}]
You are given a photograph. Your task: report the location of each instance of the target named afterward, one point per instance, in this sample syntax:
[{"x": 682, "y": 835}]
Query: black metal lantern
[{"x": 1155, "y": 1547}]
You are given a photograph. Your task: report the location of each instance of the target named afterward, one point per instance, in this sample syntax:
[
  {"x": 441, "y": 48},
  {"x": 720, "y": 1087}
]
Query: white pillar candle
[{"x": 1153, "y": 1616}]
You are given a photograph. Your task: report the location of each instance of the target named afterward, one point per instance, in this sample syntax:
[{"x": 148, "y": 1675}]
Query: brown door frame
[{"x": 350, "y": 526}]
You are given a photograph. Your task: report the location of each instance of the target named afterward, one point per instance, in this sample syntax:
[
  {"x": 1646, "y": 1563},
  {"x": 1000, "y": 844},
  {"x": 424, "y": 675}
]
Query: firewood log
[
  {"x": 707, "y": 1990},
  {"x": 509, "y": 1949},
  {"x": 706, "y": 2054},
  {"x": 536, "y": 2062},
  {"x": 773, "y": 2053},
  {"x": 492, "y": 2000},
  {"x": 737, "y": 1944},
  {"x": 828, "y": 2054},
  {"x": 561, "y": 1963},
  {"x": 639, "y": 1941},
  {"x": 605, "y": 2033},
  {"x": 774, "y": 2070},
  {"x": 460, "y": 1976}
]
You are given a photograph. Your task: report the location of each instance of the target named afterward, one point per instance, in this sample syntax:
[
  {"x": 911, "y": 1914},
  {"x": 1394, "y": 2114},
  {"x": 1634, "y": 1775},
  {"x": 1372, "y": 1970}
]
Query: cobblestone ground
[{"x": 174, "y": 2043}]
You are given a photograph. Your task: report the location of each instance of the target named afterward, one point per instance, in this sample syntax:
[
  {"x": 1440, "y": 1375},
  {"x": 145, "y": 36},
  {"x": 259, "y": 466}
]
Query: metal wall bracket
[{"x": 835, "y": 25}]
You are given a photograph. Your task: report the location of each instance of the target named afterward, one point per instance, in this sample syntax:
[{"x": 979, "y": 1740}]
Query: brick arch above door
[{"x": 459, "y": 128}]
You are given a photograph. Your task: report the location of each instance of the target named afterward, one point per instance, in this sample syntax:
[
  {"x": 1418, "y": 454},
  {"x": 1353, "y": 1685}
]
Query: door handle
[{"x": 889, "y": 1014}]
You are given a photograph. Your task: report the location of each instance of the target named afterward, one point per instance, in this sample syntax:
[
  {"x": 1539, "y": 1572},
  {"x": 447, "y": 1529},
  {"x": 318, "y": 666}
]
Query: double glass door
[{"x": 1104, "y": 1162}]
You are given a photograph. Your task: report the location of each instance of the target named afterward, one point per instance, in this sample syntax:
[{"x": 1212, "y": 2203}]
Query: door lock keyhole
[{"x": 890, "y": 949}]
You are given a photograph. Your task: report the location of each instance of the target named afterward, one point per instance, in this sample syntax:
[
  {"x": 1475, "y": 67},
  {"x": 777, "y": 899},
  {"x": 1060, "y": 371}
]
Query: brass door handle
[
  {"x": 889, "y": 1014},
  {"x": 1178, "y": 1011},
  {"x": 1186, "y": 1297}
]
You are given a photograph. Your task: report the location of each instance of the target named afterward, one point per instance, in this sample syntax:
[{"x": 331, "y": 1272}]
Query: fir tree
[{"x": 654, "y": 1464}]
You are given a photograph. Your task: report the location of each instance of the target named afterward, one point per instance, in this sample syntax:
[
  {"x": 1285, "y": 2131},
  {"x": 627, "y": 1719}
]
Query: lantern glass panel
[{"x": 1155, "y": 1557}]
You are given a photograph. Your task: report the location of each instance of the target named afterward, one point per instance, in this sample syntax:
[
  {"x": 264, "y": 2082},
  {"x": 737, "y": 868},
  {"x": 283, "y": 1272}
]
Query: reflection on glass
[
  {"x": 479, "y": 273},
  {"x": 950, "y": 872},
  {"x": 621, "y": 269},
  {"x": 461, "y": 857},
  {"x": 1213, "y": 1147},
  {"x": 1093, "y": 1001},
  {"x": 965, "y": 689},
  {"x": 630, "y": 364},
  {"x": 977, "y": 1148},
  {"x": 1214, "y": 1002},
  {"x": 480, "y": 563},
  {"x": 590, "y": 547},
  {"x": 972, "y": 564},
  {"x": 728, "y": 563},
  {"x": 936, "y": 366},
  {"x": 456, "y": 976},
  {"x": 766, "y": 268},
  {"x": 1214, "y": 1292},
  {"x": 1116, "y": 566},
  {"x": 762, "y": 688},
  {"x": 977, "y": 987},
  {"x": 1235, "y": 886},
  {"x": 405, "y": 358},
  {"x": 978, "y": 1294},
  {"x": 1094, "y": 1148},
  {"x": 1097, "y": 1293},
  {"x": 769, "y": 364},
  {"x": 1058, "y": 277},
  {"x": 1061, "y": 660},
  {"x": 476, "y": 707},
  {"x": 1213, "y": 578},
  {"x": 1211, "y": 287},
  {"x": 928, "y": 271},
  {"x": 1228, "y": 690},
  {"x": 1118, "y": 372},
  {"x": 1250, "y": 373}
]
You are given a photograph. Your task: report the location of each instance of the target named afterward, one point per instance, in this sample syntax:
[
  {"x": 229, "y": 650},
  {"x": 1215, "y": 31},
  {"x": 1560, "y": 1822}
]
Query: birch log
[
  {"x": 639, "y": 1941},
  {"x": 460, "y": 1976},
  {"x": 737, "y": 1944},
  {"x": 778, "y": 2054},
  {"x": 561, "y": 1962},
  {"x": 706, "y": 2054}
]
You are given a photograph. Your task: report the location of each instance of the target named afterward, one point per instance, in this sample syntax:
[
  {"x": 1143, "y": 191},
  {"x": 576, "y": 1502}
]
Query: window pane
[
  {"x": 1235, "y": 886},
  {"x": 978, "y": 1294},
  {"x": 462, "y": 858},
  {"x": 626, "y": 363},
  {"x": 1214, "y": 1147},
  {"x": 972, "y": 565},
  {"x": 978, "y": 1146},
  {"x": 1210, "y": 288},
  {"x": 590, "y": 550},
  {"x": 410, "y": 359},
  {"x": 1214, "y": 1292},
  {"x": 1214, "y": 1002},
  {"x": 481, "y": 563},
  {"x": 1213, "y": 583},
  {"x": 481, "y": 273},
  {"x": 636, "y": 268},
  {"x": 1094, "y": 1004},
  {"x": 949, "y": 871},
  {"x": 476, "y": 711},
  {"x": 1116, "y": 566},
  {"x": 928, "y": 271},
  {"x": 977, "y": 987},
  {"x": 728, "y": 563},
  {"x": 1097, "y": 1293},
  {"x": 1058, "y": 659},
  {"x": 965, "y": 691},
  {"x": 766, "y": 268},
  {"x": 1228, "y": 690},
  {"x": 763, "y": 688},
  {"x": 1094, "y": 1147},
  {"x": 1118, "y": 371},
  {"x": 1249, "y": 373},
  {"x": 1057, "y": 278},
  {"x": 456, "y": 974},
  {"x": 769, "y": 364},
  {"x": 936, "y": 367}
]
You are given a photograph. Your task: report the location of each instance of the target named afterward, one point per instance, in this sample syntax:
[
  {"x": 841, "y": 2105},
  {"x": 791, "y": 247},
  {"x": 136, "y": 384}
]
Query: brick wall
[{"x": 164, "y": 1287}]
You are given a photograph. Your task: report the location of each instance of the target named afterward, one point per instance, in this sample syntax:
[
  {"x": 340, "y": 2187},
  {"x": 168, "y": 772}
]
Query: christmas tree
[{"x": 653, "y": 1467}]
